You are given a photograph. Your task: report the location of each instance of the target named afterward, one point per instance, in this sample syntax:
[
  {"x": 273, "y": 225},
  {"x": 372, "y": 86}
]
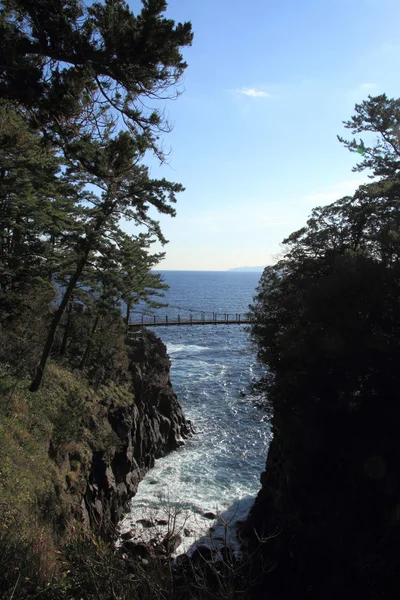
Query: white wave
[
  {"x": 175, "y": 348},
  {"x": 190, "y": 523}
]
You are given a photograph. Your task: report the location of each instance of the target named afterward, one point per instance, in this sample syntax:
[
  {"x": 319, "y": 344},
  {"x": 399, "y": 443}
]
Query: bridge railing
[{"x": 205, "y": 318}]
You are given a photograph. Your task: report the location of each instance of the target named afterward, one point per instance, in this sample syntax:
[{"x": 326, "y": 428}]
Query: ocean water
[{"x": 213, "y": 371}]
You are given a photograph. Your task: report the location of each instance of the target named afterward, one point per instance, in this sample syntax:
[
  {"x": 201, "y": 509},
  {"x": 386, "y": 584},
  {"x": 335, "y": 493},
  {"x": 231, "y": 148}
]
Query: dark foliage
[
  {"x": 327, "y": 327},
  {"x": 75, "y": 83}
]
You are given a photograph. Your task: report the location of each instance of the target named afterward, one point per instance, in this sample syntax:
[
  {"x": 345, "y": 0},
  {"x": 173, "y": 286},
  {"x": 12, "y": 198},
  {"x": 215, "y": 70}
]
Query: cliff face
[
  {"x": 99, "y": 480},
  {"x": 328, "y": 510}
]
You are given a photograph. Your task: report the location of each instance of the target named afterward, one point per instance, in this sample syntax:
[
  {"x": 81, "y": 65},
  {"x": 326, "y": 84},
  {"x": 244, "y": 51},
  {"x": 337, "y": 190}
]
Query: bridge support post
[
  {"x": 191, "y": 318},
  {"x": 179, "y": 319}
]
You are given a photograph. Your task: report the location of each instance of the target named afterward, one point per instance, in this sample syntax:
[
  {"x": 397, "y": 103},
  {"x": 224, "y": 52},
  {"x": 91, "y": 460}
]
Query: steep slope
[{"x": 328, "y": 510}]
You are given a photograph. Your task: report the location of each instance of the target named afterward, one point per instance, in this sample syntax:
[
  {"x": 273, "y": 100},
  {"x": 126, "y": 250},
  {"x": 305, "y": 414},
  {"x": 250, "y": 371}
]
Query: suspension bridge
[{"x": 194, "y": 317}]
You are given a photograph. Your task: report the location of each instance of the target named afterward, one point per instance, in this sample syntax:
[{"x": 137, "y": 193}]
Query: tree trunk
[
  {"x": 128, "y": 314},
  {"x": 35, "y": 385},
  {"x": 90, "y": 342},
  {"x": 37, "y": 380},
  {"x": 66, "y": 330}
]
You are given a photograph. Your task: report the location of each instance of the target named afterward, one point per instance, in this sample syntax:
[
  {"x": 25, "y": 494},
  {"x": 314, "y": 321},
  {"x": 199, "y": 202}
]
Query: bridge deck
[{"x": 168, "y": 323}]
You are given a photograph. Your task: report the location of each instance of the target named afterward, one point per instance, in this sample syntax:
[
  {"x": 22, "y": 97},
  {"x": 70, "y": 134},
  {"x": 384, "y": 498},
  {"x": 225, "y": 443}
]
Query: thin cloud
[
  {"x": 368, "y": 86},
  {"x": 253, "y": 93}
]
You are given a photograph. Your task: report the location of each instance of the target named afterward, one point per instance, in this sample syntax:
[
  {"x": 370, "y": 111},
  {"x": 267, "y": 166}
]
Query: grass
[{"x": 47, "y": 442}]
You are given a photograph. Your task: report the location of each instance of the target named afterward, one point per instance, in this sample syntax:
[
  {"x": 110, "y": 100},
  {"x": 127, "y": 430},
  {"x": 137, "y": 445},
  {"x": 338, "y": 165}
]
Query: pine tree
[
  {"x": 37, "y": 205},
  {"x": 82, "y": 76},
  {"x": 125, "y": 191},
  {"x": 379, "y": 115},
  {"x": 79, "y": 69}
]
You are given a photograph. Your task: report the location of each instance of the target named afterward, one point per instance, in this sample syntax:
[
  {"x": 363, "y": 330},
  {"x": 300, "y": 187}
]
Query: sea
[{"x": 205, "y": 488}]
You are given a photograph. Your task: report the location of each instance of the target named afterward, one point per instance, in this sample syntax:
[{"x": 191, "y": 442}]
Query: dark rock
[
  {"x": 190, "y": 429},
  {"x": 209, "y": 515},
  {"x": 325, "y": 512},
  {"x": 201, "y": 554},
  {"x": 146, "y": 523},
  {"x": 162, "y": 522},
  {"x": 127, "y": 535},
  {"x": 136, "y": 549},
  {"x": 128, "y": 545},
  {"x": 187, "y": 532}
]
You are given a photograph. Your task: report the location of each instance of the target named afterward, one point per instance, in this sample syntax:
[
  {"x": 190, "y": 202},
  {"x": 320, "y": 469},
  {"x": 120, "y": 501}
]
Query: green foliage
[
  {"x": 48, "y": 441},
  {"x": 75, "y": 84},
  {"x": 66, "y": 413},
  {"x": 381, "y": 116},
  {"x": 326, "y": 334},
  {"x": 36, "y": 205},
  {"x": 79, "y": 69},
  {"x": 24, "y": 560},
  {"x": 327, "y": 314},
  {"x": 24, "y": 318},
  {"x": 327, "y": 328},
  {"x": 75, "y": 133}
]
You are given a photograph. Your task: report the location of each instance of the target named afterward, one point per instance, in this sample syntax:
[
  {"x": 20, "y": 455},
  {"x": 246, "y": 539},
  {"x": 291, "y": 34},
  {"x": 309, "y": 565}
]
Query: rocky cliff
[
  {"x": 327, "y": 514},
  {"x": 126, "y": 435}
]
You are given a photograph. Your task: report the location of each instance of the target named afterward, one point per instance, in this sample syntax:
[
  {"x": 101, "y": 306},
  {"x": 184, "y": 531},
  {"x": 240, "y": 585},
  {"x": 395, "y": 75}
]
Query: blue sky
[{"x": 254, "y": 139}]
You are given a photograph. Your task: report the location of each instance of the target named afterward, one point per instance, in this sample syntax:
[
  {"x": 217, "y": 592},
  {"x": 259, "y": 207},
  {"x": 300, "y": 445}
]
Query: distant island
[{"x": 252, "y": 269}]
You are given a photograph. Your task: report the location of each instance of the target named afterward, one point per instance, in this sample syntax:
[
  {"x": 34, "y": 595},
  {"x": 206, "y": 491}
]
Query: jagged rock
[{"x": 151, "y": 426}]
